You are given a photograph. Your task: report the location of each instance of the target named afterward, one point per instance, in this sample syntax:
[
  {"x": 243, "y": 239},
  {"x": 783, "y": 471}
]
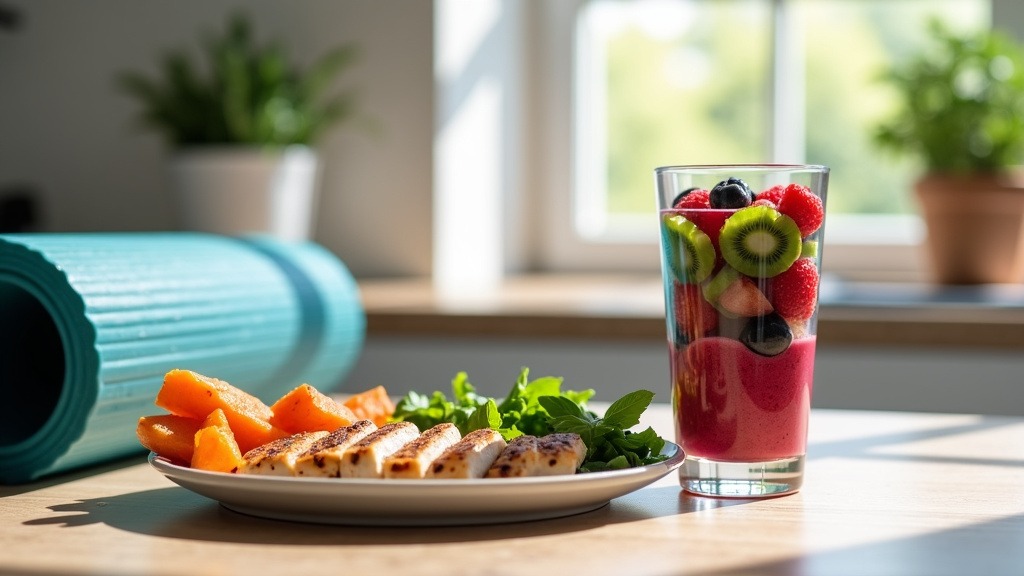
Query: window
[
  {"x": 659, "y": 82},
  {"x": 573, "y": 103}
]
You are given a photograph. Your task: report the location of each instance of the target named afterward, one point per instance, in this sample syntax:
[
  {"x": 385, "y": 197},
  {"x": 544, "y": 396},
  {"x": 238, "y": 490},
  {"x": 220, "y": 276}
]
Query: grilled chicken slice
[
  {"x": 365, "y": 459},
  {"x": 470, "y": 457},
  {"x": 560, "y": 453},
  {"x": 278, "y": 458},
  {"x": 413, "y": 460},
  {"x": 323, "y": 458}
]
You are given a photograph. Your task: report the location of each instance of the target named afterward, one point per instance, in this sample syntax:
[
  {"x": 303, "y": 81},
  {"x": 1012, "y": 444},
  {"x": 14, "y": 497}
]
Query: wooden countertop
[
  {"x": 631, "y": 308},
  {"x": 886, "y": 493}
]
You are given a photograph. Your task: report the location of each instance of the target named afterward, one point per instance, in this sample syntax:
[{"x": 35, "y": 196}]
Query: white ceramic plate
[{"x": 417, "y": 502}]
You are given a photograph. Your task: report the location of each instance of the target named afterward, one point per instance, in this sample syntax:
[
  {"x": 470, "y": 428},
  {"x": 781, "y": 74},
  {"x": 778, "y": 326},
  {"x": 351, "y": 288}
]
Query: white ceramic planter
[{"x": 242, "y": 190}]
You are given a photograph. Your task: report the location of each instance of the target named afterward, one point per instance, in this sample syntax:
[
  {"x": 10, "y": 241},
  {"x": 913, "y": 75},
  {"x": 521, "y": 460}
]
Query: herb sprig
[
  {"x": 539, "y": 407},
  {"x": 610, "y": 443}
]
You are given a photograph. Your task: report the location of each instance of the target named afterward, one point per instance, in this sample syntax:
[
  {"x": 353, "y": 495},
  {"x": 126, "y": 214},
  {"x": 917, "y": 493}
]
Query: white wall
[
  {"x": 67, "y": 132},
  {"x": 936, "y": 380}
]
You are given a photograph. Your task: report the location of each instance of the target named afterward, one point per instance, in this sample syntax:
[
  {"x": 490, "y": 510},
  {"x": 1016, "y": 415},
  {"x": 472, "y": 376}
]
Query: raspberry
[
  {"x": 695, "y": 315},
  {"x": 804, "y": 207},
  {"x": 773, "y": 194},
  {"x": 698, "y": 198},
  {"x": 795, "y": 292}
]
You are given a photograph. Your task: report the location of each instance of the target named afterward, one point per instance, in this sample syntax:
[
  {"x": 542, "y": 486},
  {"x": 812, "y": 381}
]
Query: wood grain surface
[{"x": 886, "y": 493}]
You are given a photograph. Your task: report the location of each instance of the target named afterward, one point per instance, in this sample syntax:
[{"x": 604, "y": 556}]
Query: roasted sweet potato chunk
[
  {"x": 169, "y": 435},
  {"x": 190, "y": 394},
  {"x": 373, "y": 404},
  {"x": 306, "y": 409},
  {"x": 215, "y": 445}
]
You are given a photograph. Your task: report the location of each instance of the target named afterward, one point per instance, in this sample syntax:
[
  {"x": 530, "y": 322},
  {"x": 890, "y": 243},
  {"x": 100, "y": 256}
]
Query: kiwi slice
[
  {"x": 809, "y": 249},
  {"x": 689, "y": 251},
  {"x": 714, "y": 288},
  {"x": 760, "y": 241}
]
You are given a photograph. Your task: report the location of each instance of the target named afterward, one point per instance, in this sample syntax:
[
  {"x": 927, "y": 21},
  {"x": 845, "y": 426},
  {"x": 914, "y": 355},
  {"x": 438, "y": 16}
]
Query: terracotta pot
[{"x": 975, "y": 225}]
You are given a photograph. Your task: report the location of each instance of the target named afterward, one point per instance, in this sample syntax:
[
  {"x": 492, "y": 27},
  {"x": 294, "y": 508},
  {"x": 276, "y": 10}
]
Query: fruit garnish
[
  {"x": 804, "y": 207},
  {"x": 742, "y": 298},
  {"x": 713, "y": 288},
  {"x": 694, "y": 315},
  {"x": 689, "y": 250},
  {"x": 795, "y": 291},
  {"x": 773, "y": 194},
  {"x": 759, "y": 241},
  {"x": 809, "y": 249},
  {"x": 692, "y": 198},
  {"x": 767, "y": 335},
  {"x": 710, "y": 222},
  {"x": 731, "y": 193}
]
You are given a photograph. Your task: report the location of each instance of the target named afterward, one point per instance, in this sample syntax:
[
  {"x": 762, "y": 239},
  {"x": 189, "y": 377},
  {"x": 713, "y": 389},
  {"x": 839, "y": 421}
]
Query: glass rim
[{"x": 755, "y": 167}]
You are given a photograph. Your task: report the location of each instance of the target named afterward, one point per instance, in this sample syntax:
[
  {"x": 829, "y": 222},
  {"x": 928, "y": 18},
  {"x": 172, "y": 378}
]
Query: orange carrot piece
[
  {"x": 373, "y": 404},
  {"x": 306, "y": 409},
  {"x": 169, "y": 435},
  {"x": 215, "y": 445},
  {"x": 188, "y": 393}
]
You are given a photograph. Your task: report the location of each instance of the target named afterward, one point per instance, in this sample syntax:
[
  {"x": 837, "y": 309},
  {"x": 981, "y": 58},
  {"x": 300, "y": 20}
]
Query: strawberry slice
[{"x": 743, "y": 298}]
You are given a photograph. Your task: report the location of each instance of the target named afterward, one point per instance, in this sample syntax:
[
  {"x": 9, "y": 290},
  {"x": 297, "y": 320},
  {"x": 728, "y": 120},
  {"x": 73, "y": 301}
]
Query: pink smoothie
[{"x": 735, "y": 405}]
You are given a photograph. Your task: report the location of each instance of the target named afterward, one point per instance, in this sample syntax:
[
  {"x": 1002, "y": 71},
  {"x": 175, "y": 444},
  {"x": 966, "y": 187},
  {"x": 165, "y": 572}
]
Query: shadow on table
[
  {"x": 178, "y": 513},
  {"x": 992, "y": 548},
  {"x": 863, "y": 446},
  {"x": 70, "y": 476}
]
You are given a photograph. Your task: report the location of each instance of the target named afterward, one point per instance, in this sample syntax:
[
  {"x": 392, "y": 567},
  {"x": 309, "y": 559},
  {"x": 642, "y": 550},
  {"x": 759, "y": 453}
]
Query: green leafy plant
[
  {"x": 611, "y": 445},
  {"x": 961, "y": 103},
  {"x": 249, "y": 94},
  {"x": 539, "y": 407}
]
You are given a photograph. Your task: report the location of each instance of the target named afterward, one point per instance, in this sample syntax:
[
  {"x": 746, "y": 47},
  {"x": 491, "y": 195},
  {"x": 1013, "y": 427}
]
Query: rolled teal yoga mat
[{"x": 90, "y": 323}]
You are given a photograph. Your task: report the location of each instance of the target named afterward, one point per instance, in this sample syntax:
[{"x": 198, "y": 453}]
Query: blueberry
[
  {"x": 767, "y": 335},
  {"x": 731, "y": 193}
]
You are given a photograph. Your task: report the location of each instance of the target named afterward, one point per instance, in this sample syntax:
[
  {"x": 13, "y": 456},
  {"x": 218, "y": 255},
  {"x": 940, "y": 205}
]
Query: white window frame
[{"x": 537, "y": 177}]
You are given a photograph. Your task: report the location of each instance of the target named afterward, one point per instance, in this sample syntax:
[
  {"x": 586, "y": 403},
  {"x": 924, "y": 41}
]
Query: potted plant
[
  {"x": 961, "y": 113},
  {"x": 241, "y": 131}
]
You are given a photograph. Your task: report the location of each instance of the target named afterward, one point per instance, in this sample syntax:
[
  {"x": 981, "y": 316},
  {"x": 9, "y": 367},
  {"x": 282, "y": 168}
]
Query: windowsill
[{"x": 631, "y": 308}]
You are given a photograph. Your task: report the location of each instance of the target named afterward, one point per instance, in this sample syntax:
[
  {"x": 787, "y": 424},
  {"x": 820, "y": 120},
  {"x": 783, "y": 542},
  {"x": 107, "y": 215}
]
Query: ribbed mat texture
[{"x": 90, "y": 323}]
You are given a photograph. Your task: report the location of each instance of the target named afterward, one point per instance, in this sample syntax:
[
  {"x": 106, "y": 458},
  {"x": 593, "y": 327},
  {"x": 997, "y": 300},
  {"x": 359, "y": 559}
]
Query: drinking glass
[{"x": 741, "y": 259}]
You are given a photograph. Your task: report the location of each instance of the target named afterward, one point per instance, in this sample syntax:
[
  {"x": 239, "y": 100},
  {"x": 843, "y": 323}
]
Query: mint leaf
[
  {"x": 546, "y": 386},
  {"x": 515, "y": 395},
  {"x": 625, "y": 412},
  {"x": 560, "y": 406},
  {"x": 463, "y": 391},
  {"x": 539, "y": 407},
  {"x": 618, "y": 463},
  {"x": 485, "y": 416},
  {"x": 575, "y": 424}
]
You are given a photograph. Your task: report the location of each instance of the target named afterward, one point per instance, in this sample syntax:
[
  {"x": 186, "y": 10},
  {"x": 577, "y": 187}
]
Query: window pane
[
  {"x": 846, "y": 44},
  {"x": 670, "y": 82},
  {"x": 689, "y": 81}
]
